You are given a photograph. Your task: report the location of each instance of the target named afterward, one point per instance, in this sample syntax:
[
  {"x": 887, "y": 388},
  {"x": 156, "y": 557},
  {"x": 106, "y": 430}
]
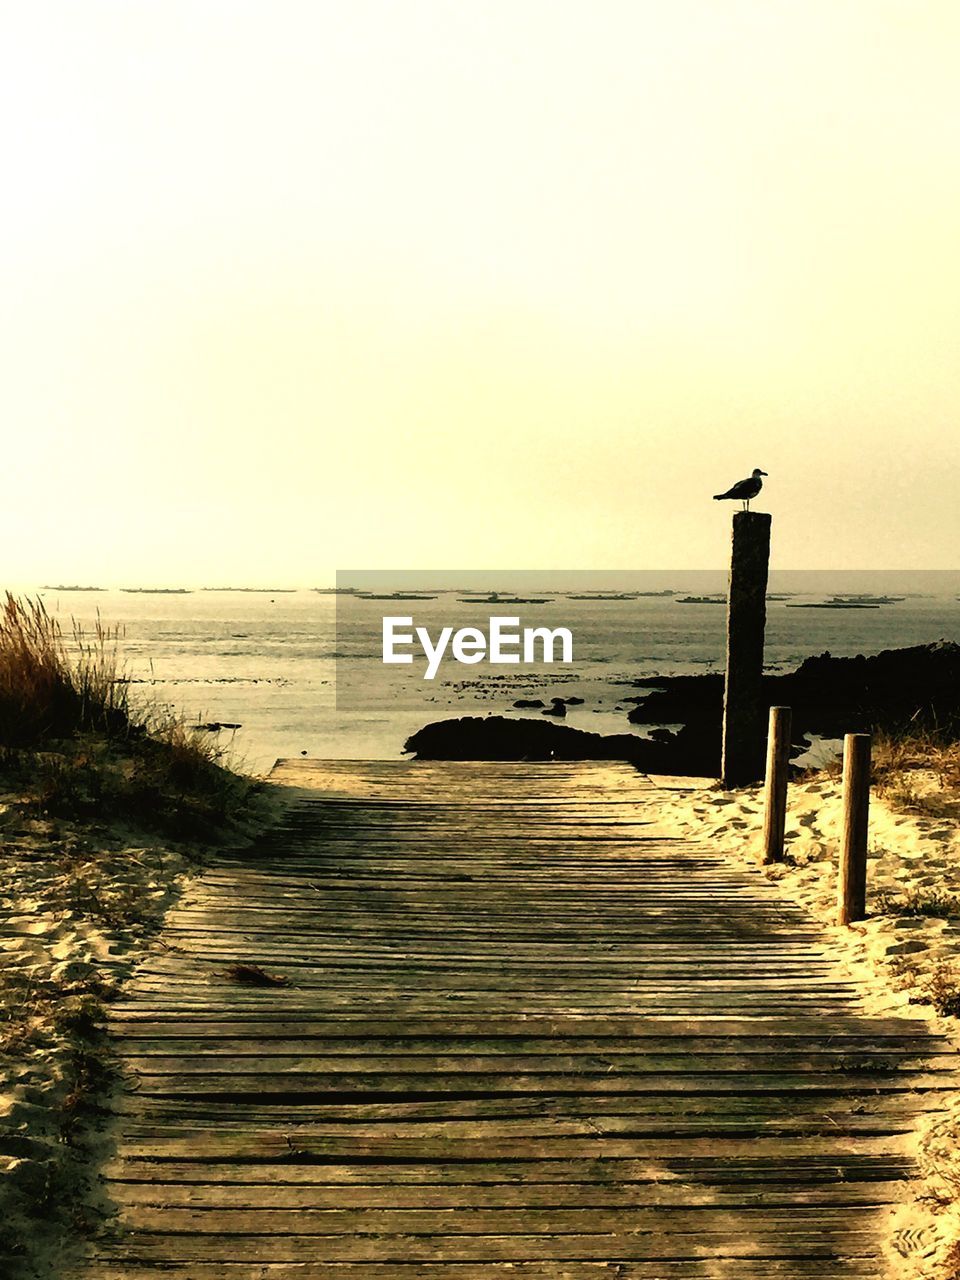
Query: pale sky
[{"x": 296, "y": 286}]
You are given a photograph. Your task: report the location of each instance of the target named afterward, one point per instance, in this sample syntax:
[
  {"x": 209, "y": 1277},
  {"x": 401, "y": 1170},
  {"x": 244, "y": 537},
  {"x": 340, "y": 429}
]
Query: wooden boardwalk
[{"x": 524, "y": 1033}]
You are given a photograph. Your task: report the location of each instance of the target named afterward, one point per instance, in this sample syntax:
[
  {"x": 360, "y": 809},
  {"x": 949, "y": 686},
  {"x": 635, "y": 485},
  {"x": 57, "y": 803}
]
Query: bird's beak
[{"x": 764, "y": 473}]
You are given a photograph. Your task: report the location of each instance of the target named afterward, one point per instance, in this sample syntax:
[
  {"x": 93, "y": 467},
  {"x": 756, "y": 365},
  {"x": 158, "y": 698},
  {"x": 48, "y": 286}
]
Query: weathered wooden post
[
  {"x": 852, "y": 887},
  {"x": 743, "y": 709},
  {"x": 775, "y": 795}
]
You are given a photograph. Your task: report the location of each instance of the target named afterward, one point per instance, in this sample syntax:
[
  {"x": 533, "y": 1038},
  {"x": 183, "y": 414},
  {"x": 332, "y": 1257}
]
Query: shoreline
[
  {"x": 270, "y": 666},
  {"x": 907, "y": 690}
]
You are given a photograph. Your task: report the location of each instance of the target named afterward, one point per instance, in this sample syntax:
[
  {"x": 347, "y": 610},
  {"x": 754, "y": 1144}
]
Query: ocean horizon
[{"x": 301, "y": 671}]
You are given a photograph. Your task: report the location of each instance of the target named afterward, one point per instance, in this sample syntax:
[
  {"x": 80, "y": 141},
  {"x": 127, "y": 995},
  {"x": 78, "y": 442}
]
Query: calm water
[{"x": 268, "y": 662}]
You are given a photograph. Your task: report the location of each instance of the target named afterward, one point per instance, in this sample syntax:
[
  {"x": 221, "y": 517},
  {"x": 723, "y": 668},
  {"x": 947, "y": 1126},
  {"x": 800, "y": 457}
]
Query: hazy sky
[{"x": 292, "y": 286}]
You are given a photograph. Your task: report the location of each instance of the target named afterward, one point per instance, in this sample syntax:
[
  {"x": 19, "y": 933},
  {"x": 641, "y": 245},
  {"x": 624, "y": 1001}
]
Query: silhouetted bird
[{"x": 744, "y": 490}]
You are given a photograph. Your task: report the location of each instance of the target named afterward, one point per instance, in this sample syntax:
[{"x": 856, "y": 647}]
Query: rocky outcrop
[
  {"x": 503, "y": 738},
  {"x": 917, "y": 687}
]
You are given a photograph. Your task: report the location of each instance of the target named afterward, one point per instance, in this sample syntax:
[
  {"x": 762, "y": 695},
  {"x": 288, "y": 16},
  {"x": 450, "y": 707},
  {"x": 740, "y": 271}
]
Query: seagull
[{"x": 744, "y": 490}]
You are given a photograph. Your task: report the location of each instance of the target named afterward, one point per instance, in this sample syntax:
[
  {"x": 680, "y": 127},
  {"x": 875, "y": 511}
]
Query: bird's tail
[{"x": 717, "y": 497}]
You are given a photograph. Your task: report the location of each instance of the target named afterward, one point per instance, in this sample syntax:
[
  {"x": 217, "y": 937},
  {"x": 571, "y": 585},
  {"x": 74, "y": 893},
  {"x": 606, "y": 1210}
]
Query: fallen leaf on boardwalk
[{"x": 251, "y": 975}]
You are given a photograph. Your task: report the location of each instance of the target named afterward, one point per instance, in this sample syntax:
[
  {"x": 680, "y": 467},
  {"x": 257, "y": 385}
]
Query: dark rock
[
  {"x": 901, "y": 688},
  {"x": 557, "y": 708},
  {"x": 677, "y": 699},
  {"x": 917, "y": 687},
  {"x": 502, "y": 738},
  {"x": 529, "y": 702}
]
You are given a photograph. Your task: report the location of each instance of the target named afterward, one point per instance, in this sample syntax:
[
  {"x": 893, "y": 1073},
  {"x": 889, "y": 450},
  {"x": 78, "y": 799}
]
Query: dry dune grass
[
  {"x": 74, "y": 745},
  {"x": 47, "y": 691},
  {"x": 918, "y": 773},
  {"x": 915, "y": 771}
]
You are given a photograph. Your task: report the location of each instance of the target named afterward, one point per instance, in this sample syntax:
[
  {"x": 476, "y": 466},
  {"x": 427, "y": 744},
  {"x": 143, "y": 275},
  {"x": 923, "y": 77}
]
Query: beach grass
[
  {"x": 915, "y": 770},
  {"x": 76, "y": 746},
  {"x": 935, "y": 903},
  {"x": 918, "y": 771},
  {"x": 48, "y": 691}
]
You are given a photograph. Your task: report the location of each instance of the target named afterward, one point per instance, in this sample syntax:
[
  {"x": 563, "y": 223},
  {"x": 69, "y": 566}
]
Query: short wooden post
[
  {"x": 852, "y": 887},
  {"x": 775, "y": 795},
  {"x": 743, "y": 710}
]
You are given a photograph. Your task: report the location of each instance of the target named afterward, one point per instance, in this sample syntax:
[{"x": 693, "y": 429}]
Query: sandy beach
[{"x": 82, "y": 905}]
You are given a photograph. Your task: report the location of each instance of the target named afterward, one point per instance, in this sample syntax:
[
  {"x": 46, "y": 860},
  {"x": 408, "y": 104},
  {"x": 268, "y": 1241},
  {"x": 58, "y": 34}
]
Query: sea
[{"x": 291, "y": 673}]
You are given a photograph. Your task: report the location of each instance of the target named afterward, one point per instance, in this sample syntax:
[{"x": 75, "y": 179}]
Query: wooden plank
[
  {"x": 463, "y": 1220},
  {"x": 250, "y": 1146},
  {"x": 778, "y": 1240},
  {"x": 258, "y": 1112},
  {"x": 582, "y": 1195},
  {"x": 553, "y": 1026},
  {"x": 286, "y": 1058},
  {"x": 265, "y": 1040},
  {"x": 544, "y": 1269},
  {"x": 716, "y": 1160},
  {"x": 194, "y": 1074}
]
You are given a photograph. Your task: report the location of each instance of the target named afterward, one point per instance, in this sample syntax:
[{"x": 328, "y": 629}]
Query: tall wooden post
[
  {"x": 775, "y": 798},
  {"x": 743, "y": 710},
  {"x": 852, "y": 887}
]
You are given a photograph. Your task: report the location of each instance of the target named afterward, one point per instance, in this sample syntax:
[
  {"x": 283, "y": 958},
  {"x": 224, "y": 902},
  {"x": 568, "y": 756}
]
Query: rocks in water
[
  {"x": 917, "y": 687},
  {"x": 503, "y": 738},
  {"x": 536, "y": 703},
  {"x": 680, "y": 700}
]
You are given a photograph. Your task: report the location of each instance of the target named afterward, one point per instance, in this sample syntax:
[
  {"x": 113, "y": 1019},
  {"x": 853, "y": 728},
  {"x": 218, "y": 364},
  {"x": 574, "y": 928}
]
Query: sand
[
  {"x": 900, "y": 961},
  {"x": 80, "y": 906}
]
